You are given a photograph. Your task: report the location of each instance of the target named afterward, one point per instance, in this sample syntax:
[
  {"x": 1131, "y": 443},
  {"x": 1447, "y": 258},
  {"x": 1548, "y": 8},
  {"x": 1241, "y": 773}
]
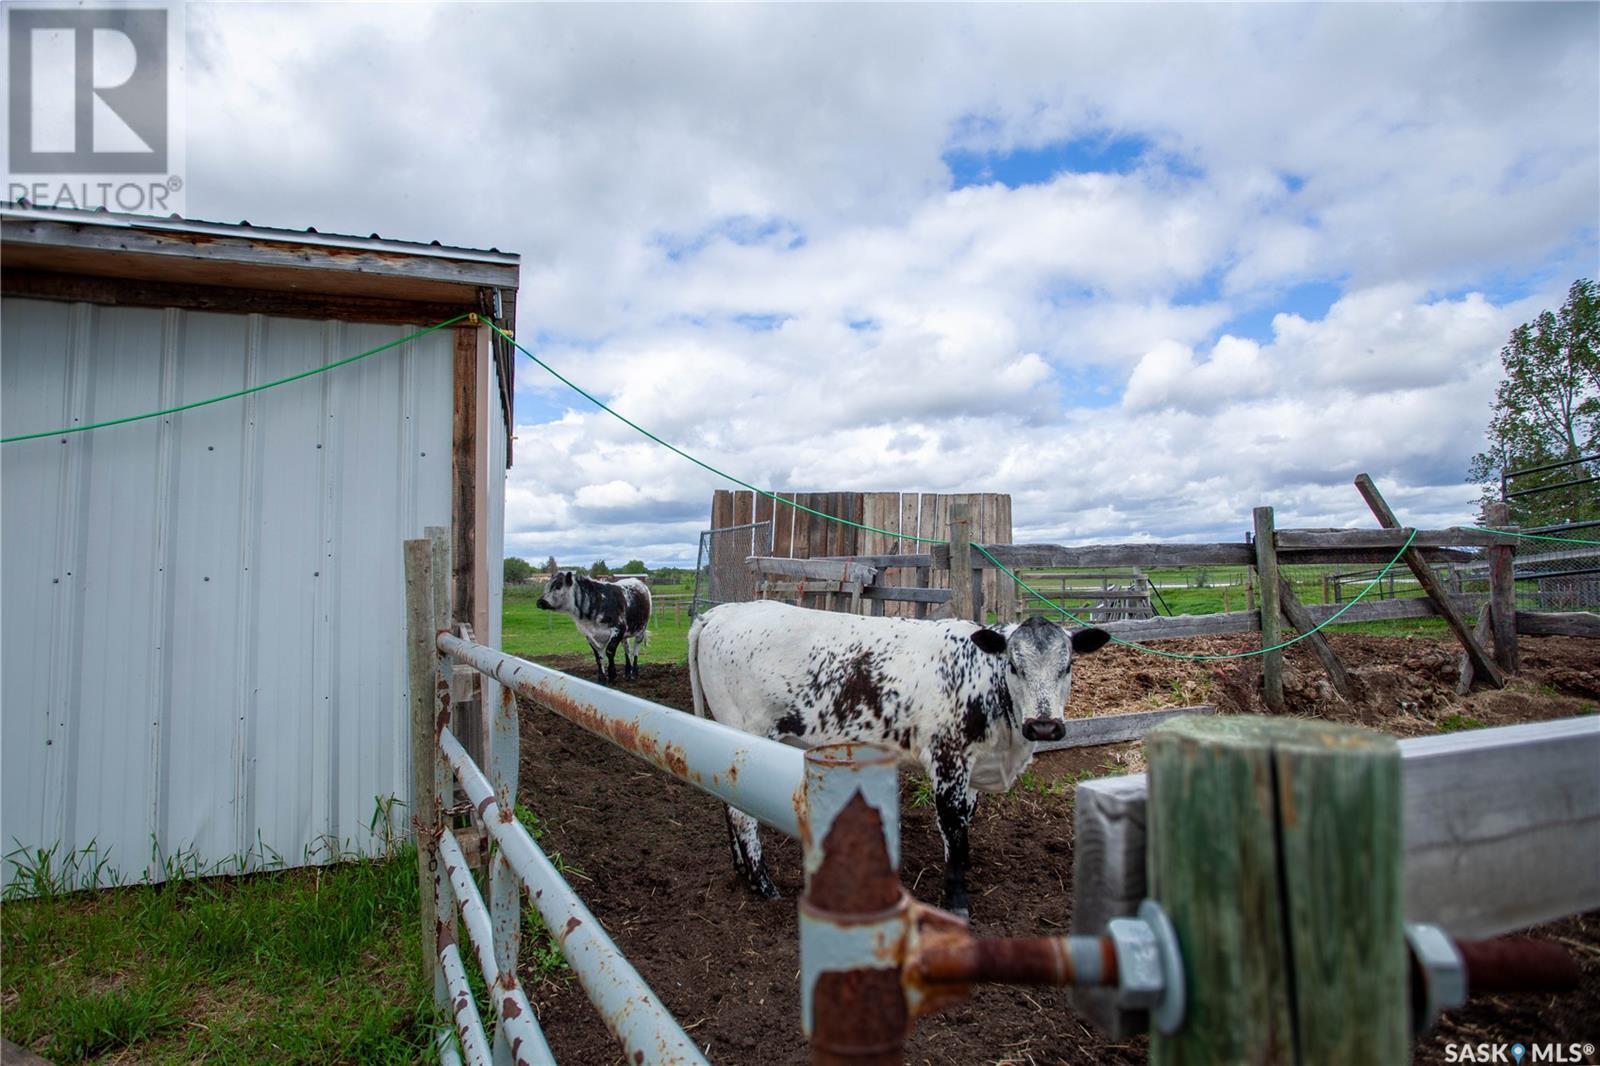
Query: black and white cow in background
[
  {"x": 967, "y": 703},
  {"x": 608, "y": 614}
]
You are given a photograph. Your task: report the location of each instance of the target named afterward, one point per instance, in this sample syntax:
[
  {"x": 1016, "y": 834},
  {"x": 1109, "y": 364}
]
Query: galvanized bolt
[
  {"x": 1442, "y": 970},
  {"x": 1149, "y": 966}
]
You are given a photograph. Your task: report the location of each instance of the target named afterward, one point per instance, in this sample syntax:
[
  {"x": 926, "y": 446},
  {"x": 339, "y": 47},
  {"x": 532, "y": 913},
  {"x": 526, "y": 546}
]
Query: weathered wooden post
[
  {"x": 1275, "y": 847},
  {"x": 1271, "y": 627},
  {"x": 420, "y": 658},
  {"x": 1502, "y": 590},
  {"x": 961, "y": 561}
]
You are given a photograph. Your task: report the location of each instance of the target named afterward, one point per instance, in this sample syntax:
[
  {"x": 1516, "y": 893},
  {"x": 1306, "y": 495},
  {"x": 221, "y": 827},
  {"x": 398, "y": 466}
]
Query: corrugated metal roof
[{"x": 22, "y": 209}]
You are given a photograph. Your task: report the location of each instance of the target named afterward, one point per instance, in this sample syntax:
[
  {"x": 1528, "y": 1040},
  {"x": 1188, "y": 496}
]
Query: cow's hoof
[{"x": 762, "y": 886}]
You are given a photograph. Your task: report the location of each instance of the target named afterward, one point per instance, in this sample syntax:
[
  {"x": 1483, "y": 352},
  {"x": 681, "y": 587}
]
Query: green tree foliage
[
  {"x": 550, "y": 566},
  {"x": 633, "y": 566},
  {"x": 599, "y": 569},
  {"x": 1546, "y": 410},
  {"x": 517, "y": 570}
]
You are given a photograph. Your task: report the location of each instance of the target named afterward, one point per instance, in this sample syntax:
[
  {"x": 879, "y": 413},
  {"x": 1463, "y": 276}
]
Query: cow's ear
[
  {"x": 1085, "y": 641},
  {"x": 990, "y": 641}
]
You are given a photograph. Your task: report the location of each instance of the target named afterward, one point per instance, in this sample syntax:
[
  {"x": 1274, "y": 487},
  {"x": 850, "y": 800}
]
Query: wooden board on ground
[{"x": 1117, "y": 728}]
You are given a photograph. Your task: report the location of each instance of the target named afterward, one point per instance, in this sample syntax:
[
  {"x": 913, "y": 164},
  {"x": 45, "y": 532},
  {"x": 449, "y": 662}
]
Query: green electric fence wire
[
  {"x": 1207, "y": 658},
  {"x": 241, "y": 392},
  {"x": 1534, "y": 536},
  {"x": 625, "y": 420}
]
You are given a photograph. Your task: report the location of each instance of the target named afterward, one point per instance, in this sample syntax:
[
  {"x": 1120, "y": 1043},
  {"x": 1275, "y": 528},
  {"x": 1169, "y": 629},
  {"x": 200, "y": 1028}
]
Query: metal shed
[{"x": 203, "y": 660}]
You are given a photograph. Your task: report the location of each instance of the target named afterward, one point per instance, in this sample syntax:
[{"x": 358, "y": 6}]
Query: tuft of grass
[
  {"x": 91, "y": 1023},
  {"x": 921, "y": 791},
  {"x": 1455, "y": 723}
]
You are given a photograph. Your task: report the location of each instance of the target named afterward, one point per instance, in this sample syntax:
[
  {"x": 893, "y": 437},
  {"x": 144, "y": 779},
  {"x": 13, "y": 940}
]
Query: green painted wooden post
[{"x": 1275, "y": 847}]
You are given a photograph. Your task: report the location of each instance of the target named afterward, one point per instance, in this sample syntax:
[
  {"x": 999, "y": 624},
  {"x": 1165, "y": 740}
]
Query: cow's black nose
[
  {"x": 1037, "y": 729},
  {"x": 543, "y": 606}
]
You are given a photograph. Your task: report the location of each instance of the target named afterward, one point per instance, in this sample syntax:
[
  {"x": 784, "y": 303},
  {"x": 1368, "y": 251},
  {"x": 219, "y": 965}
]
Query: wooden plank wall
[{"x": 799, "y": 535}]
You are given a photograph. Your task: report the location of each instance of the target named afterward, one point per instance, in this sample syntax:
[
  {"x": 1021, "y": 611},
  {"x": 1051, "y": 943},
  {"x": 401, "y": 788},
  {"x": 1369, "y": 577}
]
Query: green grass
[
  {"x": 313, "y": 965},
  {"x": 1455, "y": 723},
  {"x": 530, "y": 633},
  {"x": 320, "y": 964}
]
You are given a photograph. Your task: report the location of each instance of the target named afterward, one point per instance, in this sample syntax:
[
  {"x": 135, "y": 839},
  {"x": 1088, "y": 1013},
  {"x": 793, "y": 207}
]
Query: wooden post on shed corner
[
  {"x": 1502, "y": 590},
  {"x": 421, "y": 657},
  {"x": 1271, "y": 626},
  {"x": 961, "y": 561},
  {"x": 1275, "y": 846}
]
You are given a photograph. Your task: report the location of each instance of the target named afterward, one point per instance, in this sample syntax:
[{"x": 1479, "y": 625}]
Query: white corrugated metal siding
[{"x": 203, "y": 620}]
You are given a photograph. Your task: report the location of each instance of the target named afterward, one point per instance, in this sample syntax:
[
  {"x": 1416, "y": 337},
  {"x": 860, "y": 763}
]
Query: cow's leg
[
  {"x": 744, "y": 841},
  {"x": 630, "y": 656},
  {"x": 955, "y": 802},
  {"x": 599, "y": 666},
  {"x": 611, "y": 654}
]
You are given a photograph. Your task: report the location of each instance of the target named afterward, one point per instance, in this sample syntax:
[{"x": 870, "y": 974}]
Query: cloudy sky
[{"x": 1143, "y": 267}]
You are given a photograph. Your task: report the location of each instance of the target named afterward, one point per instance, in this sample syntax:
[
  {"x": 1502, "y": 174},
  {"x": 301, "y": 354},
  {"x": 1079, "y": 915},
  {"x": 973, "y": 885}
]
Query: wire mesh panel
[{"x": 721, "y": 573}]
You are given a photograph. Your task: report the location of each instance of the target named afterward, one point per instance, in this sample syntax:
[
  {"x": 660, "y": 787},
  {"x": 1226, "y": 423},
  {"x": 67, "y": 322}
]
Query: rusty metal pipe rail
[
  {"x": 514, "y": 1014},
  {"x": 469, "y": 1027},
  {"x": 761, "y": 777},
  {"x": 633, "y": 1013}
]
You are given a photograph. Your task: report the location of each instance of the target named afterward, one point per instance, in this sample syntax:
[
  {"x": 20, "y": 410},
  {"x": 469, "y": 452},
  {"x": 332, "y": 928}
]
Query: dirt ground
[{"x": 652, "y": 863}]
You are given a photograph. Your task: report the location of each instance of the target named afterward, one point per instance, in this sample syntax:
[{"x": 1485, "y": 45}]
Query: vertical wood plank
[
  {"x": 420, "y": 658},
  {"x": 1502, "y": 590},
  {"x": 464, "y": 515},
  {"x": 487, "y": 398},
  {"x": 1271, "y": 628},
  {"x": 935, "y": 521},
  {"x": 744, "y": 507},
  {"x": 764, "y": 507},
  {"x": 721, "y": 509},
  {"x": 961, "y": 585},
  {"x": 783, "y": 519}
]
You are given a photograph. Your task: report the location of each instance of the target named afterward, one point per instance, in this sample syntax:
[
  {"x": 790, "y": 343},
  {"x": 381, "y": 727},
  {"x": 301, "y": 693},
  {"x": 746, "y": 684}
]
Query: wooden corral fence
[
  {"x": 873, "y": 960},
  {"x": 1489, "y": 644},
  {"x": 798, "y": 534}
]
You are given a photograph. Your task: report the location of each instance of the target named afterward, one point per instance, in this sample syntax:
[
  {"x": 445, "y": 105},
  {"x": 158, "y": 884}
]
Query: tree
[
  {"x": 550, "y": 566},
  {"x": 1547, "y": 410},
  {"x": 599, "y": 569},
  {"x": 517, "y": 570},
  {"x": 633, "y": 566}
]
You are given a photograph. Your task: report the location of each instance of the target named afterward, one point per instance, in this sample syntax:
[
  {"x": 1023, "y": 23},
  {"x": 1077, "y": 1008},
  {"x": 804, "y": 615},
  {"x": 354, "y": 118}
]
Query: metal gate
[{"x": 721, "y": 574}]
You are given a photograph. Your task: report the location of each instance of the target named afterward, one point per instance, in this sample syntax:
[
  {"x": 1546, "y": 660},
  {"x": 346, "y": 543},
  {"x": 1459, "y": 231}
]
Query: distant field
[{"x": 531, "y": 633}]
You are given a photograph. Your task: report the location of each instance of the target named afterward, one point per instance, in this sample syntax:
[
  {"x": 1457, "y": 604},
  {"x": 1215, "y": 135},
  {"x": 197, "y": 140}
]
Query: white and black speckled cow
[
  {"x": 608, "y": 613},
  {"x": 967, "y": 703}
]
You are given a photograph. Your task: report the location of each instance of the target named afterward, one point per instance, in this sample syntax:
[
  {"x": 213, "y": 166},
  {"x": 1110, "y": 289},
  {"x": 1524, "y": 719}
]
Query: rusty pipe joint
[{"x": 1137, "y": 956}]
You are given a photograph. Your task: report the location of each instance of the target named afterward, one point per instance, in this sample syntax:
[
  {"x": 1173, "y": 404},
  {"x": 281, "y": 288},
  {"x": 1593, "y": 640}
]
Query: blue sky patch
[
  {"x": 761, "y": 323},
  {"x": 1096, "y": 153},
  {"x": 1310, "y": 300}
]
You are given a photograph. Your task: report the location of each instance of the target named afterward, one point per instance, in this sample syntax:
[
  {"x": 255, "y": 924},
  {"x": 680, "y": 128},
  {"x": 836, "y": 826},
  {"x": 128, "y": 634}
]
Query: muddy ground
[{"x": 652, "y": 863}]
